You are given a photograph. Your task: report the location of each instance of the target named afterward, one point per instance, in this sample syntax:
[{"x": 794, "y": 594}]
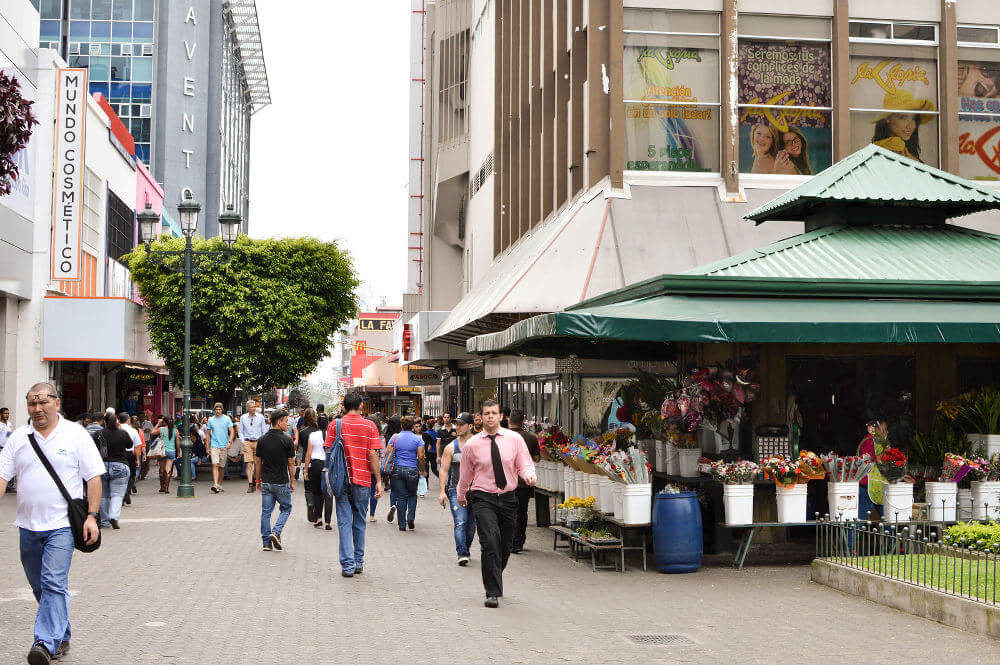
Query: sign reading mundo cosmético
[
  {"x": 67, "y": 204},
  {"x": 787, "y": 141},
  {"x": 979, "y": 120}
]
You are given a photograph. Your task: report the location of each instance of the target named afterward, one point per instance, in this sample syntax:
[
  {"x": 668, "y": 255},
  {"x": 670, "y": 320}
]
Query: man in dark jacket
[{"x": 523, "y": 492}]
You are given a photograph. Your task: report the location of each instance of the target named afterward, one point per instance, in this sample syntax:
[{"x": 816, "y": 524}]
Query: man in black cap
[{"x": 451, "y": 465}]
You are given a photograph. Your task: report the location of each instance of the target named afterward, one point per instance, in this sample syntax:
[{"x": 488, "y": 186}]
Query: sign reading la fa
[{"x": 375, "y": 324}]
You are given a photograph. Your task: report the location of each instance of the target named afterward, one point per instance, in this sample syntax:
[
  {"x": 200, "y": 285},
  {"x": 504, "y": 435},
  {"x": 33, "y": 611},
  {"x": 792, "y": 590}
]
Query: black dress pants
[
  {"x": 496, "y": 519},
  {"x": 524, "y": 495},
  {"x": 321, "y": 503}
]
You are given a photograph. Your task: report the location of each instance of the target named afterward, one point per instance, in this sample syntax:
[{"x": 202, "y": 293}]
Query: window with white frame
[
  {"x": 92, "y": 211},
  {"x": 893, "y": 87},
  {"x": 784, "y": 95},
  {"x": 979, "y": 102},
  {"x": 671, "y": 88}
]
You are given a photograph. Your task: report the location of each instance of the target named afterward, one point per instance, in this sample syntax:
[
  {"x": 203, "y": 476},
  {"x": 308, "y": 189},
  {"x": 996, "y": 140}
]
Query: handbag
[
  {"x": 388, "y": 464},
  {"x": 158, "y": 449},
  {"x": 77, "y": 508}
]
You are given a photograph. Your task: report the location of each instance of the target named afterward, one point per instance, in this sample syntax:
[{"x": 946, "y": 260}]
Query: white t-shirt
[
  {"x": 73, "y": 455},
  {"x": 5, "y": 430},
  {"x": 316, "y": 439},
  {"x": 133, "y": 434}
]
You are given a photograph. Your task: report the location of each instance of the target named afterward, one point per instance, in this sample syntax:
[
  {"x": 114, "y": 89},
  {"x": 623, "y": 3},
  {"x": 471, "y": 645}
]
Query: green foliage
[
  {"x": 260, "y": 320},
  {"x": 980, "y": 411},
  {"x": 973, "y": 535},
  {"x": 644, "y": 393},
  {"x": 927, "y": 449}
]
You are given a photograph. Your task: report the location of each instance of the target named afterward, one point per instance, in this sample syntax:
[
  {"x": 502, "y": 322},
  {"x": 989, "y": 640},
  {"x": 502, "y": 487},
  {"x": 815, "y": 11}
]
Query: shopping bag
[{"x": 422, "y": 486}]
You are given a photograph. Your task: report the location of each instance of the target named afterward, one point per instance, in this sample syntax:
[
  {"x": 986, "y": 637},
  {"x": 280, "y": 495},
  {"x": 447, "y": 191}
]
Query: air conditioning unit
[
  {"x": 145, "y": 110},
  {"x": 74, "y": 47},
  {"x": 147, "y": 49},
  {"x": 95, "y": 49},
  {"x": 126, "y": 49}
]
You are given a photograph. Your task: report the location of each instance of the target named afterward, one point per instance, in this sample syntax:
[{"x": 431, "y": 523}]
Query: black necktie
[{"x": 498, "y": 475}]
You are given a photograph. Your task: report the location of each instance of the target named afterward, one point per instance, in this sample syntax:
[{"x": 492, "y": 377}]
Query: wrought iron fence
[{"x": 914, "y": 553}]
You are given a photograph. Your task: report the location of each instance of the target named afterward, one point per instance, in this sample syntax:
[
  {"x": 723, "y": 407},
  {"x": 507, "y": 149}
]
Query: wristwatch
[{"x": 94, "y": 515}]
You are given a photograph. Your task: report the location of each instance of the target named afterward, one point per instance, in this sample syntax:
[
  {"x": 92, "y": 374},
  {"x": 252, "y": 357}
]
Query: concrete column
[
  {"x": 841, "y": 93},
  {"x": 948, "y": 86},
  {"x": 616, "y": 105},
  {"x": 728, "y": 109}
]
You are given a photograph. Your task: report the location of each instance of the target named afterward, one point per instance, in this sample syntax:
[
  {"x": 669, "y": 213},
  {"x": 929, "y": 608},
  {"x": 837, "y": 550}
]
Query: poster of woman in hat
[{"x": 900, "y": 131}]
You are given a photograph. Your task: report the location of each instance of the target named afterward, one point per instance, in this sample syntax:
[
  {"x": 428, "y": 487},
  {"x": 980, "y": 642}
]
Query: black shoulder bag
[{"x": 78, "y": 512}]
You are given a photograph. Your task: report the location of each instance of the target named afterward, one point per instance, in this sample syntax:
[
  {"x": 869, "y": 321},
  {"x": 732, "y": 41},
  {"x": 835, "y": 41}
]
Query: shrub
[{"x": 979, "y": 537}]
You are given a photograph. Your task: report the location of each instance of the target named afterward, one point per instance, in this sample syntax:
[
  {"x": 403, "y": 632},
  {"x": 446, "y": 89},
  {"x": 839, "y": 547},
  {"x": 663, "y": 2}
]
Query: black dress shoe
[
  {"x": 39, "y": 655},
  {"x": 409, "y": 523},
  {"x": 491, "y": 601},
  {"x": 114, "y": 524}
]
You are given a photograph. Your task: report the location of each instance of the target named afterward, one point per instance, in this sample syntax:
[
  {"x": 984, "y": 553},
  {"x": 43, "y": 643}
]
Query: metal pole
[{"x": 186, "y": 489}]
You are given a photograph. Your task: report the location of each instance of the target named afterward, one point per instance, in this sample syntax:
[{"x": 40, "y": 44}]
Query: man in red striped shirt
[{"x": 361, "y": 445}]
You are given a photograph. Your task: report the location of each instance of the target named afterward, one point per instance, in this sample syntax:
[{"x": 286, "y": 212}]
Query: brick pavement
[{"x": 185, "y": 582}]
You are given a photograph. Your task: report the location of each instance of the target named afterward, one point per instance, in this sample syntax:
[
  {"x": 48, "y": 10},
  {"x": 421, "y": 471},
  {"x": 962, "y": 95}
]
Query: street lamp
[{"x": 229, "y": 224}]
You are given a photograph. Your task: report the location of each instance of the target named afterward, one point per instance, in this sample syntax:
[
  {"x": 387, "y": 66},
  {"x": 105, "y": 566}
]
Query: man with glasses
[{"x": 46, "y": 539}]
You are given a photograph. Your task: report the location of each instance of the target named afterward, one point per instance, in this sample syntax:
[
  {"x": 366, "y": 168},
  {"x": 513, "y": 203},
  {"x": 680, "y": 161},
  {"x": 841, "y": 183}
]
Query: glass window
[
  {"x": 100, "y": 69},
  {"x": 99, "y": 87},
  {"x": 894, "y": 99},
  {"x": 79, "y": 30},
  {"x": 121, "y": 32},
  {"x": 886, "y": 30},
  {"x": 142, "y": 32},
  {"x": 120, "y": 69},
  {"x": 101, "y": 10},
  {"x": 122, "y": 10},
  {"x": 119, "y": 93},
  {"x": 142, "y": 152},
  {"x": 979, "y": 114},
  {"x": 79, "y": 61},
  {"x": 971, "y": 34},
  {"x": 50, "y": 31},
  {"x": 142, "y": 93},
  {"x": 140, "y": 129},
  {"x": 142, "y": 69},
  {"x": 100, "y": 31},
  {"x": 79, "y": 9},
  {"x": 143, "y": 10},
  {"x": 784, "y": 97},
  {"x": 49, "y": 8},
  {"x": 671, "y": 86}
]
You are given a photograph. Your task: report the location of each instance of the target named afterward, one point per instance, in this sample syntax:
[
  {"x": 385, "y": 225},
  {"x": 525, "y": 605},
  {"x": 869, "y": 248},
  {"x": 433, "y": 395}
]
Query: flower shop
[{"x": 849, "y": 367}]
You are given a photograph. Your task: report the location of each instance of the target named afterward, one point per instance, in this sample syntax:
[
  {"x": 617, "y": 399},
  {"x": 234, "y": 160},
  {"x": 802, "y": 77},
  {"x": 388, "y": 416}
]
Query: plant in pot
[
  {"x": 790, "y": 495},
  {"x": 985, "y": 487},
  {"x": 978, "y": 415},
  {"x": 942, "y": 494},
  {"x": 737, "y": 488},
  {"x": 723, "y": 394},
  {"x": 688, "y": 453}
]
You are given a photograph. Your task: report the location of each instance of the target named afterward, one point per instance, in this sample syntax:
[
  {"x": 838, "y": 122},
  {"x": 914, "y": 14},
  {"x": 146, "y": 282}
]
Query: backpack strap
[{"x": 48, "y": 467}]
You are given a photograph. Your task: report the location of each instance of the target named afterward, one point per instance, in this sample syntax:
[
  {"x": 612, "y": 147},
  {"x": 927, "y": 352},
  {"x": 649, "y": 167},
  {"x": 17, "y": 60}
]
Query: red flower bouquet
[{"x": 891, "y": 464}]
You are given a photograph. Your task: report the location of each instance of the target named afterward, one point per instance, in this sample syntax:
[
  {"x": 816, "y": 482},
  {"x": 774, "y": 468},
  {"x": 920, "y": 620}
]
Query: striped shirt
[{"x": 360, "y": 436}]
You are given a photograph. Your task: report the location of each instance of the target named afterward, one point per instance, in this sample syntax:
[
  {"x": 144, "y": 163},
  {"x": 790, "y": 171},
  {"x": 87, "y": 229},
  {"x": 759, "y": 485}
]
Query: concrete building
[
  {"x": 184, "y": 77},
  {"x": 562, "y": 148}
]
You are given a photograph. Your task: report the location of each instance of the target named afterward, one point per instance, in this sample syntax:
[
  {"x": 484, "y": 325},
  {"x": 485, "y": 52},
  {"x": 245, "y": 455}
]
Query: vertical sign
[{"x": 67, "y": 205}]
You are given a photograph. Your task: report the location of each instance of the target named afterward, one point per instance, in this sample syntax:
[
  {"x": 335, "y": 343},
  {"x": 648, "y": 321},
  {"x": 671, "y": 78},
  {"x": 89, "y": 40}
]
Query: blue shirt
[
  {"x": 252, "y": 428},
  {"x": 218, "y": 427},
  {"x": 406, "y": 448}
]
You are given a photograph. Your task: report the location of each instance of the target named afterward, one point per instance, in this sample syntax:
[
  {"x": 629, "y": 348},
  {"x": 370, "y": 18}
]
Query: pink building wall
[{"x": 147, "y": 190}]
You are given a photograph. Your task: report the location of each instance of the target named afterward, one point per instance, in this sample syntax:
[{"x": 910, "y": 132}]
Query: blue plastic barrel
[{"x": 677, "y": 541}]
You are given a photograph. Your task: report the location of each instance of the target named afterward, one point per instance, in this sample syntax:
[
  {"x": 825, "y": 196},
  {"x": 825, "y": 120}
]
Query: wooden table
[
  {"x": 577, "y": 543},
  {"x": 624, "y": 529}
]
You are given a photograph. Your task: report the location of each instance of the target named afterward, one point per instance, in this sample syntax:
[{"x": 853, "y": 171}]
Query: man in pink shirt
[{"x": 492, "y": 461}]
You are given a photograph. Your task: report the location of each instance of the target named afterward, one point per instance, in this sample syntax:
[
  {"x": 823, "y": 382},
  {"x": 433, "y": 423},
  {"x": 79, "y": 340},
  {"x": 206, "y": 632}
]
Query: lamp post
[{"x": 229, "y": 226}]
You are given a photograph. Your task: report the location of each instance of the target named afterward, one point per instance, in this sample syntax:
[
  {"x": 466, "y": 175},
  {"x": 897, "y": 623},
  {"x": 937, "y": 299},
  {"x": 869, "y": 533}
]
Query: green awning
[{"x": 673, "y": 318}]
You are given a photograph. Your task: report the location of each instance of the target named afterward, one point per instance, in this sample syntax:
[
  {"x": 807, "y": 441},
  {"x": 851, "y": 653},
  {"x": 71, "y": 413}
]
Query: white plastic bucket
[
  {"x": 964, "y": 504},
  {"x": 569, "y": 480},
  {"x": 989, "y": 442},
  {"x": 791, "y": 503},
  {"x": 582, "y": 488},
  {"x": 619, "y": 495},
  {"x": 661, "y": 456},
  {"x": 843, "y": 500},
  {"x": 673, "y": 461},
  {"x": 688, "y": 462},
  {"x": 738, "y": 500},
  {"x": 594, "y": 485},
  {"x": 607, "y": 496},
  {"x": 986, "y": 500},
  {"x": 637, "y": 503},
  {"x": 897, "y": 502},
  {"x": 941, "y": 500}
]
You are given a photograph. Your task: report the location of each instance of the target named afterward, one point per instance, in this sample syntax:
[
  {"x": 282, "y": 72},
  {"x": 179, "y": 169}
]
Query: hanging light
[
  {"x": 188, "y": 210},
  {"x": 229, "y": 226},
  {"x": 148, "y": 221}
]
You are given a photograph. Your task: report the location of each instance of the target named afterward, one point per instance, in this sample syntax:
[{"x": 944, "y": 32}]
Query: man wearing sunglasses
[{"x": 46, "y": 538}]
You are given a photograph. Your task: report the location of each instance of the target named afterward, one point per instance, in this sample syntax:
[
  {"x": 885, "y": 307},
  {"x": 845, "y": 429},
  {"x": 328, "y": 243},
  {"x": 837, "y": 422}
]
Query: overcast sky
[{"x": 328, "y": 157}]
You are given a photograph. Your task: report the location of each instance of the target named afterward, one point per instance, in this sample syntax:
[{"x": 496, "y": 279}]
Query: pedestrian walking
[
  {"x": 361, "y": 446},
  {"x": 275, "y": 464},
  {"x": 320, "y": 506},
  {"x": 393, "y": 427},
  {"x": 5, "y": 426},
  {"x": 168, "y": 436},
  {"x": 135, "y": 453},
  {"x": 220, "y": 429},
  {"x": 251, "y": 428},
  {"x": 113, "y": 443},
  {"x": 430, "y": 437},
  {"x": 524, "y": 492},
  {"x": 141, "y": 458},
  {"x": 46, "y": 539},
  {"x": 492, "y": 461},
  {"x": 379, "y": 423},
  {"x": 96, "y": 423},
  {"x": 410, "y": 463},
  {"x": 451, "y": 465}
]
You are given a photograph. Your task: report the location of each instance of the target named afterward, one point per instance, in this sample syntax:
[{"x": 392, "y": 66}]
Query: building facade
[
  {"x": 561, "y": 149},
  {"x": 184, "y": 77}
]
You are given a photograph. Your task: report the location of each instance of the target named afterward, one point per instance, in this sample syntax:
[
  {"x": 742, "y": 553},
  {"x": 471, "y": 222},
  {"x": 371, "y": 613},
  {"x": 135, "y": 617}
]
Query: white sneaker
[{"x": 462, "y": 560}]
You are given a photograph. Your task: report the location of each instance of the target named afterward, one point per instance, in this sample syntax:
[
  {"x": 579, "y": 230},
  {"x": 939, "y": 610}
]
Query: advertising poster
[
  {"x": 785, "y": 141},
  {"x": 978, "y": 135},
  {"x": 675, "y": 137},
  {"x": 900, "y": 88},
  {"x": 601, "y": 400}
]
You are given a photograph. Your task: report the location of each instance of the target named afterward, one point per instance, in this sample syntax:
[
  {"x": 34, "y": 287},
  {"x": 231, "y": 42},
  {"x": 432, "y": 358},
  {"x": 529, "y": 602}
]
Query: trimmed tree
[{"x": 260, "y": 320}]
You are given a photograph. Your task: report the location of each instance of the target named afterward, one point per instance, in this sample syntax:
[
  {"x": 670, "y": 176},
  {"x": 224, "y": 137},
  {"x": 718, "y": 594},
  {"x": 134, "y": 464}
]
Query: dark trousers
[
  {"x": 321, "y": 503},
  {"x": 496, "y": 519},
  {"x": 432, "y": 465},
  {"x": 524, "y": 495}
]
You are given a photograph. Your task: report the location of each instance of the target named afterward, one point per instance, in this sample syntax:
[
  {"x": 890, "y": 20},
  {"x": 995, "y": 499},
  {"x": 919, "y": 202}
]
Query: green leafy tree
[{"x": 260, "y": 320}]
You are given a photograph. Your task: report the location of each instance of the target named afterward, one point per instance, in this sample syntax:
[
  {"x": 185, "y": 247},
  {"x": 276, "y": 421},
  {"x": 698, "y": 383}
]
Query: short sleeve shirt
[
  {"x": 274, "y": 449},
  {"x": 219, "y": 426},
  {"x": 360, "y": 436},
  {"x": 73, "y": 455}
]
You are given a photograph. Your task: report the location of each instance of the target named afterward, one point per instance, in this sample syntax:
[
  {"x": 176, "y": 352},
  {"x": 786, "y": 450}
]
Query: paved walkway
[{"x": 186, "y": 582}]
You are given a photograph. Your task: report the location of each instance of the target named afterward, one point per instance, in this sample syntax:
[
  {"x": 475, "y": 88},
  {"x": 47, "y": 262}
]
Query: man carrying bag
[{"x": 52, "y": 459}]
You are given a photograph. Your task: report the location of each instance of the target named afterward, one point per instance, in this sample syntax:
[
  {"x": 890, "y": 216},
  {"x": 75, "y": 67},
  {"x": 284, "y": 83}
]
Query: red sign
[
  {"x": 407, "y": 341},
  {"x": 360, "y": 347}
]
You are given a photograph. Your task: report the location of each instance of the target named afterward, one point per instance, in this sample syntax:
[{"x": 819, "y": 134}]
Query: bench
[{"x": 578, "y": 545}]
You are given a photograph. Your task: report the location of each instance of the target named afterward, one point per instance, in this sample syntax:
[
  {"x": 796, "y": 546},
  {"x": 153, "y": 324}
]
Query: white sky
[{"x": 328, "y": 157}]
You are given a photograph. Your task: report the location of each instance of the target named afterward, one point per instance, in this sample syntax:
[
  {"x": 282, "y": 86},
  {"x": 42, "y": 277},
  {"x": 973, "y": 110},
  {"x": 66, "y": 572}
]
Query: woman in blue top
[
  {"x": 408, "y": 465},
  {"x": 168, "y": 435}
]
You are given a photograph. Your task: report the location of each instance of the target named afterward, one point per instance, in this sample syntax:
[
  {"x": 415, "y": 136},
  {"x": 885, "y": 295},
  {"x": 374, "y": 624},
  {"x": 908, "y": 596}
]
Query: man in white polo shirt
[{"x": 42, "y": 513}]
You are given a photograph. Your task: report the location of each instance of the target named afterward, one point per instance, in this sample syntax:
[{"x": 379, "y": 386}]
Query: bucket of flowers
[
  {"x": 737, "y": 488},
  {"x": 891, "y": 464},
  {"x": 790, "y": 495},
  {"x": 810, "y": 467}
]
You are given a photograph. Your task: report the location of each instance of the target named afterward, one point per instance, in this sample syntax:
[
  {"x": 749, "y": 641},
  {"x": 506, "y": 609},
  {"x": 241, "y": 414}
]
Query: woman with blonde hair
[{"x": 764, "y": 144}]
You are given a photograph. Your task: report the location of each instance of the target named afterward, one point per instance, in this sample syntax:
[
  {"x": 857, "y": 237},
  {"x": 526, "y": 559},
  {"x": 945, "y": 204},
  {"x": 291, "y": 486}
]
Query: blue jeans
[
  {"x": 404, "y": 481},
  {"x": 373, "y": 501},
  {"x": 352, "y": 519},
  {"x": 45, "y": 557},
  {"x": 465, "y": 524},
  {"x": 865, "y": 504},
  {"x": 269, "y": 493},
  {"x": 114, "y": 484}
]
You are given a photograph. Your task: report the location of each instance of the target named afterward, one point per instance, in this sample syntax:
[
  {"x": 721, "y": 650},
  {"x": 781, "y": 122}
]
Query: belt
[
  {"x": 496, "y": 494},
  {"x": 250, "y": 439}
]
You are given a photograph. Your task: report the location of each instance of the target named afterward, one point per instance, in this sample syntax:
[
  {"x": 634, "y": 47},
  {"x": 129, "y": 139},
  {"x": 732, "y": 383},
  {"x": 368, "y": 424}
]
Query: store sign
[
  {"x": 360, "y": 347},
  {"x": 141, "y": 376},
  {"x": 978, "y": 131},
  {"x": 375, "y": 324},
  {"x": 424, "y": 377},
  {"x": 67, "y": 205}
]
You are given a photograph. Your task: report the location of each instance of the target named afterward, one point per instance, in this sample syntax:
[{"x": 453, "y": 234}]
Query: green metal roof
[
  {"x": 874, "y": 175},
  {"x": 925, "y": 253}
]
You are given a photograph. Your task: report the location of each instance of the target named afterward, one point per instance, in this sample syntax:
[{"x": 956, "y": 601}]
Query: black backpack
[{"x": 101, "y": 443}]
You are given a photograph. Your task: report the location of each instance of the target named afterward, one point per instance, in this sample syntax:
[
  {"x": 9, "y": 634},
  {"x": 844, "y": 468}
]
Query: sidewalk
[{"x": 185, "y": 582}]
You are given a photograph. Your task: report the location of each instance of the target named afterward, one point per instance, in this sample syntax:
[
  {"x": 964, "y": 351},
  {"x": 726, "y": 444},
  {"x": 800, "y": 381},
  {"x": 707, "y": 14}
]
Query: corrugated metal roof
[
  {"x": 876, "y": 175},
  {"x": 926, "y": 253}
]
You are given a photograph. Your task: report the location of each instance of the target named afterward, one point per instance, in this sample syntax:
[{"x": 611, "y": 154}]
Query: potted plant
[
  {"x": 897, "y": 497},
  {"x": 942, "y": 495},
  {"x": 688, "y": 453},
  {"x": 725, "y": 392},
  {"x": 652, "y": 420},
  {"x": 737, "y": 489},
  {"x": 843, "y": 489},
  {"x": 978, "y": 414},
  {"x": 790, "y": 495},
  {"x": 985, "y": 488}
]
